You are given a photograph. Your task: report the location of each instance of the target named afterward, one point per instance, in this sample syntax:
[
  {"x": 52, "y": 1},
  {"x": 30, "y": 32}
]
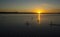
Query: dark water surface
[{"x": 15, "y": 25}]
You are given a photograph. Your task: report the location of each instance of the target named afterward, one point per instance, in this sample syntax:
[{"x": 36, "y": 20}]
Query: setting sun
[{"x": 39, "y": 12}]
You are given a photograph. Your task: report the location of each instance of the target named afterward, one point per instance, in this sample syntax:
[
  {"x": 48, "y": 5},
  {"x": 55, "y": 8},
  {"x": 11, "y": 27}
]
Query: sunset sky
[{"x": 29, "y": 5}]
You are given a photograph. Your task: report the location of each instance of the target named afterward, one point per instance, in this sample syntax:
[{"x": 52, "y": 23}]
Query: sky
[{"x": 30, "y": 5}]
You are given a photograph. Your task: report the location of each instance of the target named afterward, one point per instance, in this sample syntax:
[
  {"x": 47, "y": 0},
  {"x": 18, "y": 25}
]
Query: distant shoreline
[{"x": 25, "y": 13}]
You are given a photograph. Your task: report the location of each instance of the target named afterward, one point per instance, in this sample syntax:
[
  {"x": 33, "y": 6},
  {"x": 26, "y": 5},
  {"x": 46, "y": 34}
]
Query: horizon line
[{"x": 26, "y": 13}]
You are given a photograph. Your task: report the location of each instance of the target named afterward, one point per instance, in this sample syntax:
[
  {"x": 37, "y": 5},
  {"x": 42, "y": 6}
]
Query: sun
[{"x": 39, "y": 12}]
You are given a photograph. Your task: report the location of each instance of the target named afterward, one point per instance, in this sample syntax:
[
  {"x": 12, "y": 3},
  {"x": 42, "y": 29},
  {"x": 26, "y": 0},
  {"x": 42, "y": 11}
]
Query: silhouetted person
[
  {"x": 32, "y": 18},
  {"x": 37, "y": 20},
  {"x": 51, "y": 26},
  {"x": 27, "y": 23},
  {"x": 51, "y": 23}
]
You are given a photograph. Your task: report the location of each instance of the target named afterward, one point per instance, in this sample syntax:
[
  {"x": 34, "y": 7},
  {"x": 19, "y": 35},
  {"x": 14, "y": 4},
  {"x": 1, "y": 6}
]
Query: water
[{"x": 14, "y": 25}]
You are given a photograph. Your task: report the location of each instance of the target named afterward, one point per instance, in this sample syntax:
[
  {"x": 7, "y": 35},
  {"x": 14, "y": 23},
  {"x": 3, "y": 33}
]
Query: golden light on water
[{"x": 38, "y": 18}]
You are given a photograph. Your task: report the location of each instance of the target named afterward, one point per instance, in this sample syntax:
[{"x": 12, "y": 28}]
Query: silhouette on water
[
  {"x": 27, "y": 23},
  {"x": 51, "y": 24},
  {"x": 37, "y": 20},
  {"x": 32, "y": 18}
]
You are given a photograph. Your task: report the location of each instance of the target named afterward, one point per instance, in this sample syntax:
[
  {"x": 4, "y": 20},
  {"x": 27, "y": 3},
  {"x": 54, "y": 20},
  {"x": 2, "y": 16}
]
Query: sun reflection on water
[{"x": 38, "y": 18}]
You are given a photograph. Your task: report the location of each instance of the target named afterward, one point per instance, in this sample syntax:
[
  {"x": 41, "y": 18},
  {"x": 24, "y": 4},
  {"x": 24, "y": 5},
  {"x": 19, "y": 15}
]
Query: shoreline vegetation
[{"x": 26, "y": 13}]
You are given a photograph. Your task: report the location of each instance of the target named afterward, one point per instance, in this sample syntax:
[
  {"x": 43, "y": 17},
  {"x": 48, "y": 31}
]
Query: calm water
[{"x": 14, "y": 25}]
